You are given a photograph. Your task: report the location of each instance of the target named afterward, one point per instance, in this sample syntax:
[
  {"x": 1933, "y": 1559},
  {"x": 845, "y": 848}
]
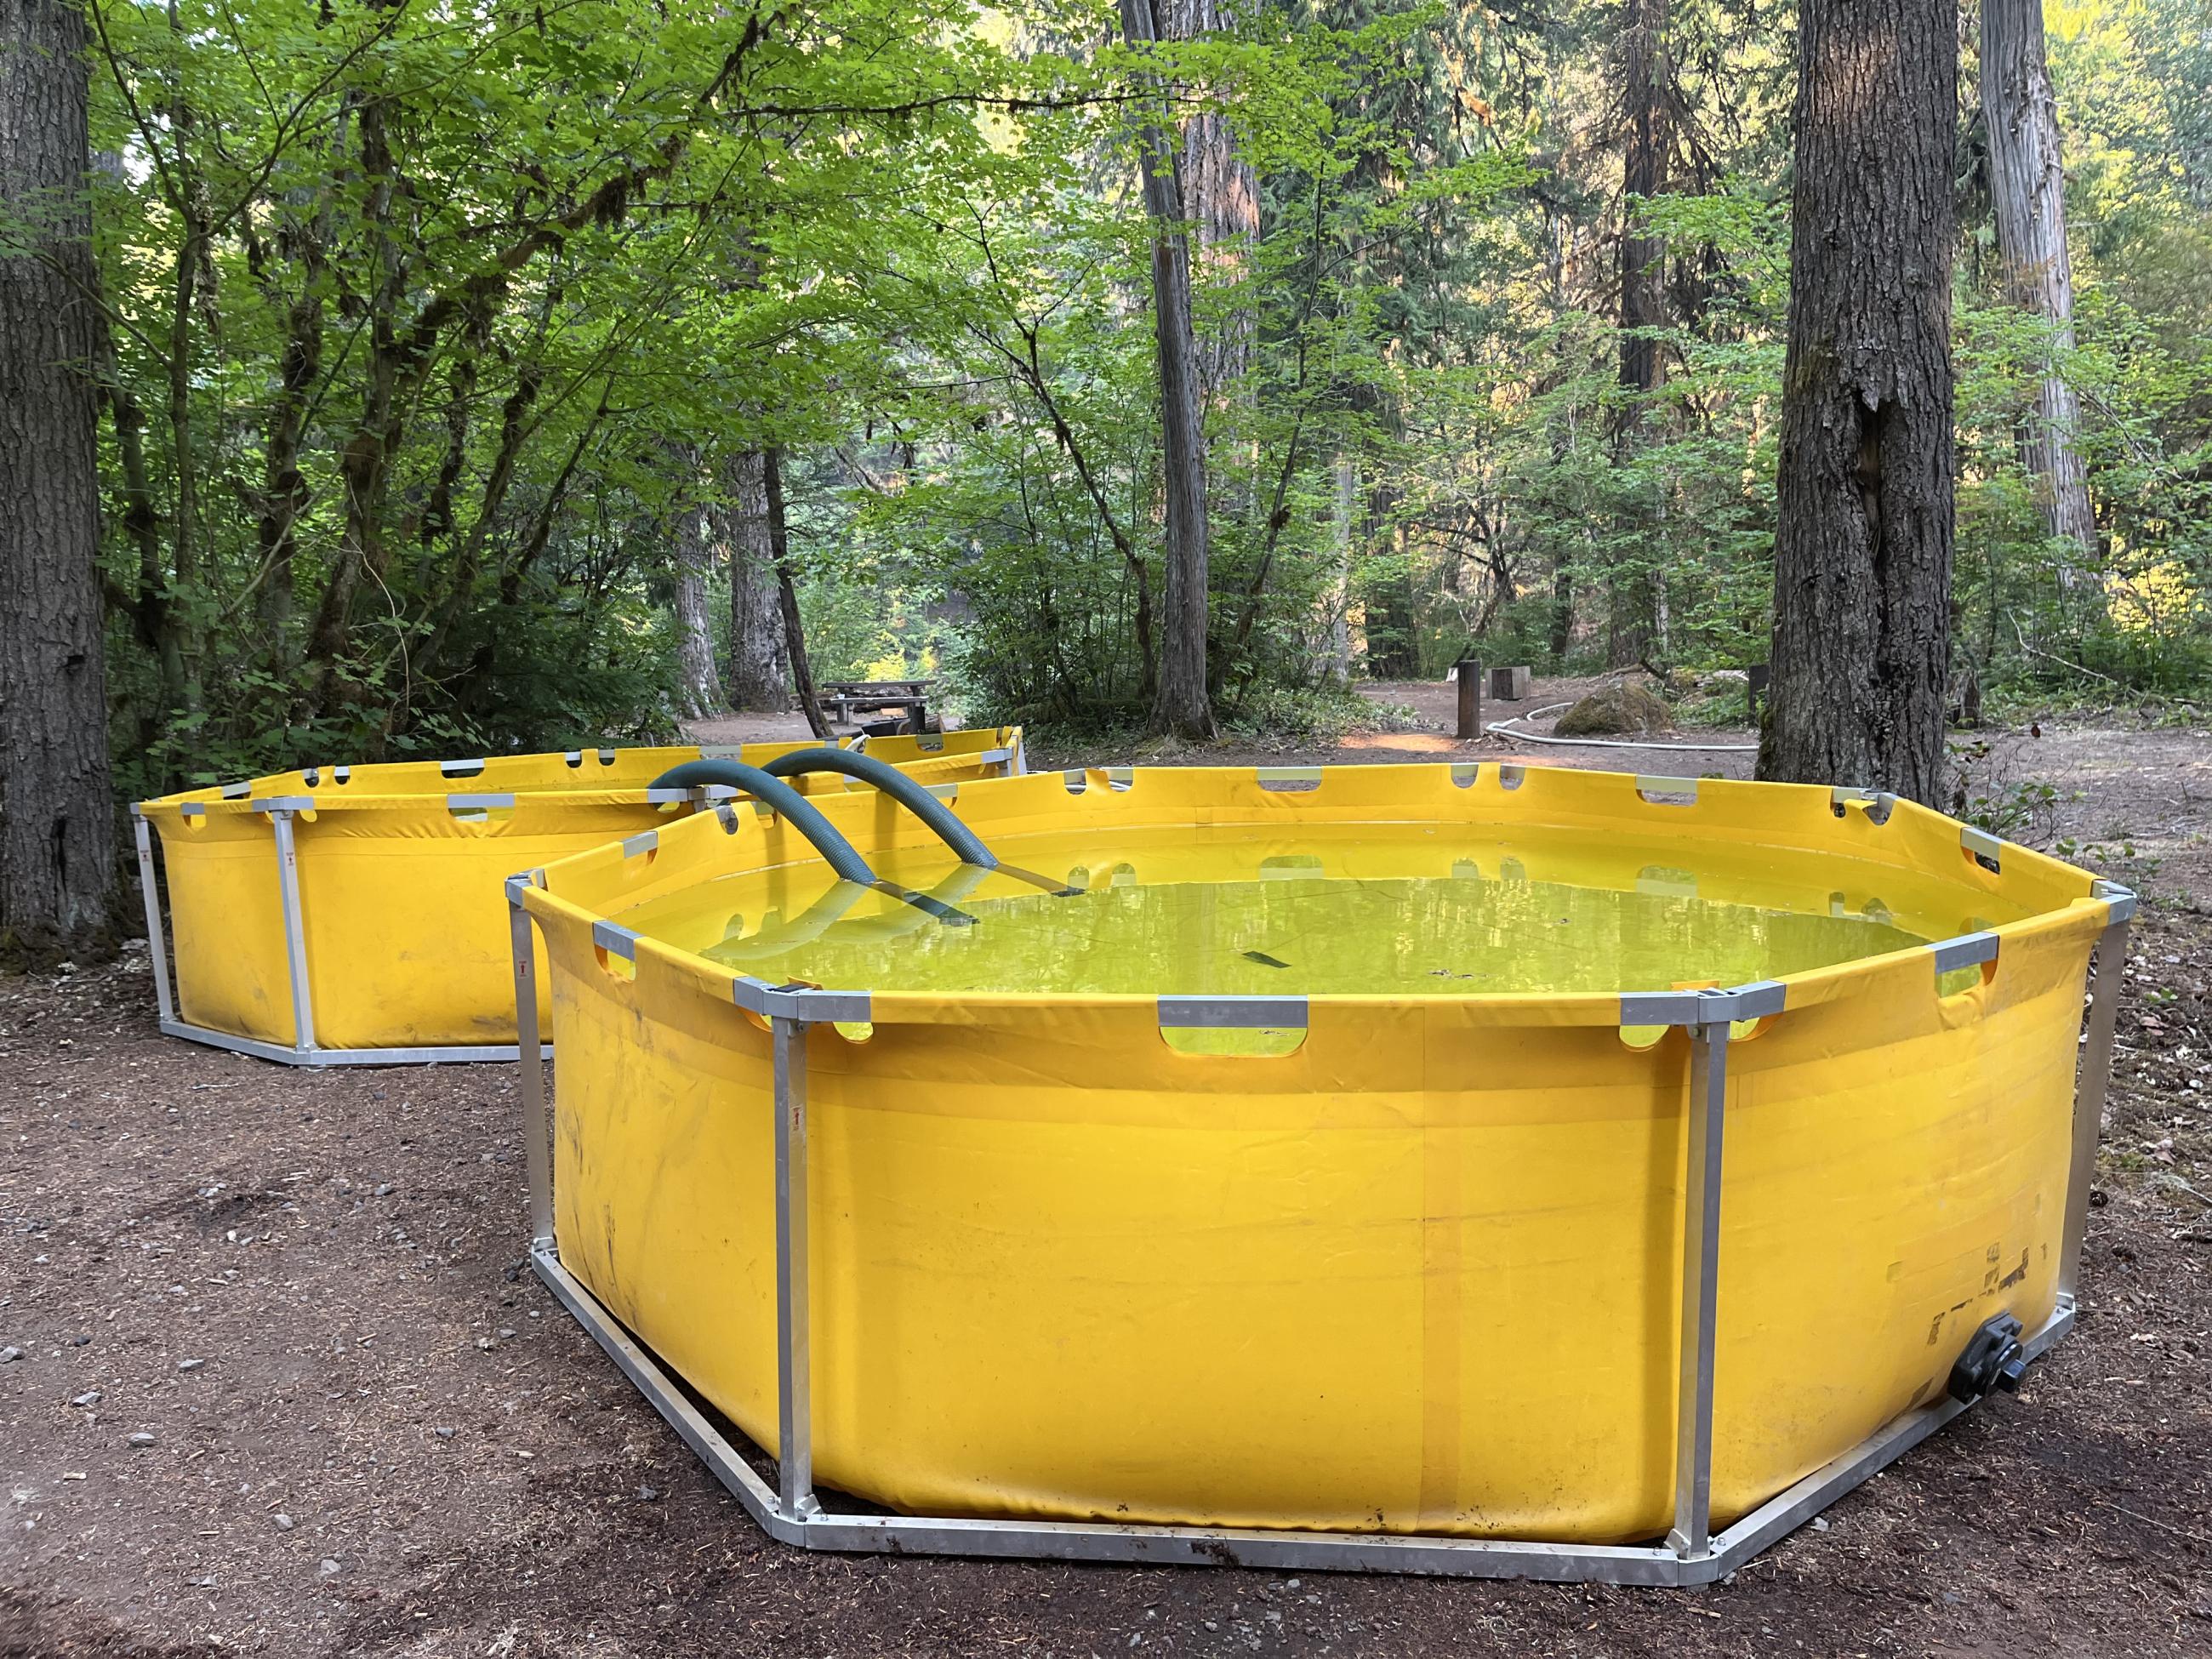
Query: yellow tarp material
[
  {"x": 1421, "y": 1274},
  {"x": 403, "y": 891}
]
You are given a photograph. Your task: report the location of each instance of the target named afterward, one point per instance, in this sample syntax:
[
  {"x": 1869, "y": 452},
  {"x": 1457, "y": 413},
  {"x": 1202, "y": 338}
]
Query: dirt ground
[{"x": 370, "y": 1432}]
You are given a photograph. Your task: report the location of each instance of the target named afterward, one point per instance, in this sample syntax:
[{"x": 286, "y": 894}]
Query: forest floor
[{"x": 373, "y": 1433}]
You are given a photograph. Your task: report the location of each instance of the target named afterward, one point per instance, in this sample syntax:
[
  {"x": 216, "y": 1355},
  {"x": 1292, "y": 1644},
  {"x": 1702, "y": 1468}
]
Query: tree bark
[
  {"x": 758, "y": 648},
  {"x": 1180, "y": 706},
  {"x": 698, "y": 691},
  {"x": 1335, "y": 662},
  {"x": 364, "y": 462},
  {"x": 57, "y": 813},
  {"x": 1390, "y": 611},
  {"x": 1634, "y": 602},
  {"x": 2027, "y": 186},
  {"x": 1563, "y": 610},
  {"x": 794, "y": 627},
  {"x": 190, "y": 205},
  {"x": 1221, "y": 192},
  {"x": 1862, "y": 548},
  {"x": 1646, "y": 144}
]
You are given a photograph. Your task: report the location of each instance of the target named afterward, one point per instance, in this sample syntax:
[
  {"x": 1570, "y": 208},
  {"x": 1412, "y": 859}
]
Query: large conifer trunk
[
  {"x": 57, "y": 815},
  {"x": 758, "y": 651},
  {"x": 1862, "y": 546},
  {"x": 698, "y": 691},
  {"x": 2027, "y": 186},
  {"x": 1221, "y": 193},
  {"x": 1646, "y": 138},
  {"x": 1637, "y": 601},
  {"x": 1180, "y": 705}
]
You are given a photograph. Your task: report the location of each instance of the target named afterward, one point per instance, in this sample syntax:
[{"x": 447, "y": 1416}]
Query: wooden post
[{"x": 1470, "y": 699}]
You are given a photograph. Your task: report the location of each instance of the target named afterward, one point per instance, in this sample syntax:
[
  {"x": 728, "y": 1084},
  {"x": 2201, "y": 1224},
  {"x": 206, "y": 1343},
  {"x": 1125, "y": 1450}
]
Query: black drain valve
[{"x": 1993, "y": 1360}]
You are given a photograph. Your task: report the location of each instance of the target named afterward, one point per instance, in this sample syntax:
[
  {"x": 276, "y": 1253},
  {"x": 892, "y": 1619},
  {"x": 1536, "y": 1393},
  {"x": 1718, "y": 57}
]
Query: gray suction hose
[
  {"x": 893, "y": 782},
  {"x": 918, "y": 801},
  {"x": 825, "y": 917},
  {"x": 777, "y": 796}
]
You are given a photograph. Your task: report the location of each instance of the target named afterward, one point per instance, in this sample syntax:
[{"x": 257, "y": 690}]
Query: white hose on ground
[{"x": 1499, "y": 727}]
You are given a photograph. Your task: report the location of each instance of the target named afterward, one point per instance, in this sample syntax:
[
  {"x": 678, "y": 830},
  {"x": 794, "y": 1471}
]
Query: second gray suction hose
[
  {"x": 777, "y": 796},
  {"x": 766, "y": 785},
  {"x": 900, "y": 788}
]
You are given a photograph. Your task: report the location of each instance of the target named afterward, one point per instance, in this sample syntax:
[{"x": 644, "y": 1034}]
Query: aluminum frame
[
  {"x": 303, "y": 1049},
  {"x": 791, "y": 1510}
]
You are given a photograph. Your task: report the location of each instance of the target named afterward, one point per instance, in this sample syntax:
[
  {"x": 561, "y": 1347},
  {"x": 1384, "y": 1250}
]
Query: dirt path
[{"x": 392, "y": 1442}]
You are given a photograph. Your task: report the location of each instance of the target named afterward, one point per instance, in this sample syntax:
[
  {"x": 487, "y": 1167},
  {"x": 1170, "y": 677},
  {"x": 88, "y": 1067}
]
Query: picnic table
[{"x": 840, "y": 700}]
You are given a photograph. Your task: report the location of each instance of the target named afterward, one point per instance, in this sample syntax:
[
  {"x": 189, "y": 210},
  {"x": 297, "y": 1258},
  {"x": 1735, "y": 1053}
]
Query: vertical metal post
[
  {"x": 793, "y": 1368},
  {"x": 2090, "y": 1090},
  {"x": 1692, "y": 1536},
  {"x": 1470, "y": 699},
  {"x": 536, "y": 1149},
  {"x": 157, "y": 946},
  {"x": 295, "y": 930}
]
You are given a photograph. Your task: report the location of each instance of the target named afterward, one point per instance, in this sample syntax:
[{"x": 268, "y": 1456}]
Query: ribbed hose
[
  {"x": 777, "y": 796},
  {"x": 893, "y": 782}
]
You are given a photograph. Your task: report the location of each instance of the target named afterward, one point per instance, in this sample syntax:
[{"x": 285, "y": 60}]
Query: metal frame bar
[
  {"x": 302, "y": 1050},
  {"x": 295, "y": 930},
  {"x": 157, "y": 944},
  {"x": 322, "y": 1058},
  {"x": 1705, "y": 1115},
  {"x": 790, "y": 1511},
  {"x": 2091, "y": 1088},
  {"x": 536, "y": 1125},
  {"x": 793, "y": 1312}
]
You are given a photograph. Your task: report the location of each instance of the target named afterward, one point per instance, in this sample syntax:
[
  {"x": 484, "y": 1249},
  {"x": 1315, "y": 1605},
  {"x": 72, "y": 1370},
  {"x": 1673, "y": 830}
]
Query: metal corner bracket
[{"x": 802, "y": 1004}]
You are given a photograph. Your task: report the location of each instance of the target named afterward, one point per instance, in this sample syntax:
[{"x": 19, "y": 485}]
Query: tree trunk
[
  {"x": 794, "y": 627},
  {"x": 1221, "y": 192},
  {"x": 1862, "y": 548},
  {"x": 1335, "y": 664},
  {"x": 189, "y": 204},
  {"x": 1180, "y": 706},
  {"x": 2027, "y": 185},
  {"x": 1647, "y": 139},
  {"x": 1633, "y": 599},
  {"x": 1563, "y": 611},
  {"x": 57, "y": 813},
  {"x": 364, "y": 462},
  {"x": 757, "y": 645},
  {"x": 1389, "y": 610},
  {"x": 698, "y": 692}
]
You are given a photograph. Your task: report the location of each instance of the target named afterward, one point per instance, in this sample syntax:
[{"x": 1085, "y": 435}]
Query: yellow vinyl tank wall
[
  {"x": 401, "y": 879},
  {"x": 1421, "y": 1274}
]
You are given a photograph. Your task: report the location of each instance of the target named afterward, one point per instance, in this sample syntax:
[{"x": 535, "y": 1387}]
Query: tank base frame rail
[
  {"x": 790, "y": 1511},
  {"x": 302, "y": 1050}
]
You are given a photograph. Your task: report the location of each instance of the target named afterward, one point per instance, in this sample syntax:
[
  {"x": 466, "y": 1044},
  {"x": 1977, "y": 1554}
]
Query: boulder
[{"x": 1616, "y": 711}]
